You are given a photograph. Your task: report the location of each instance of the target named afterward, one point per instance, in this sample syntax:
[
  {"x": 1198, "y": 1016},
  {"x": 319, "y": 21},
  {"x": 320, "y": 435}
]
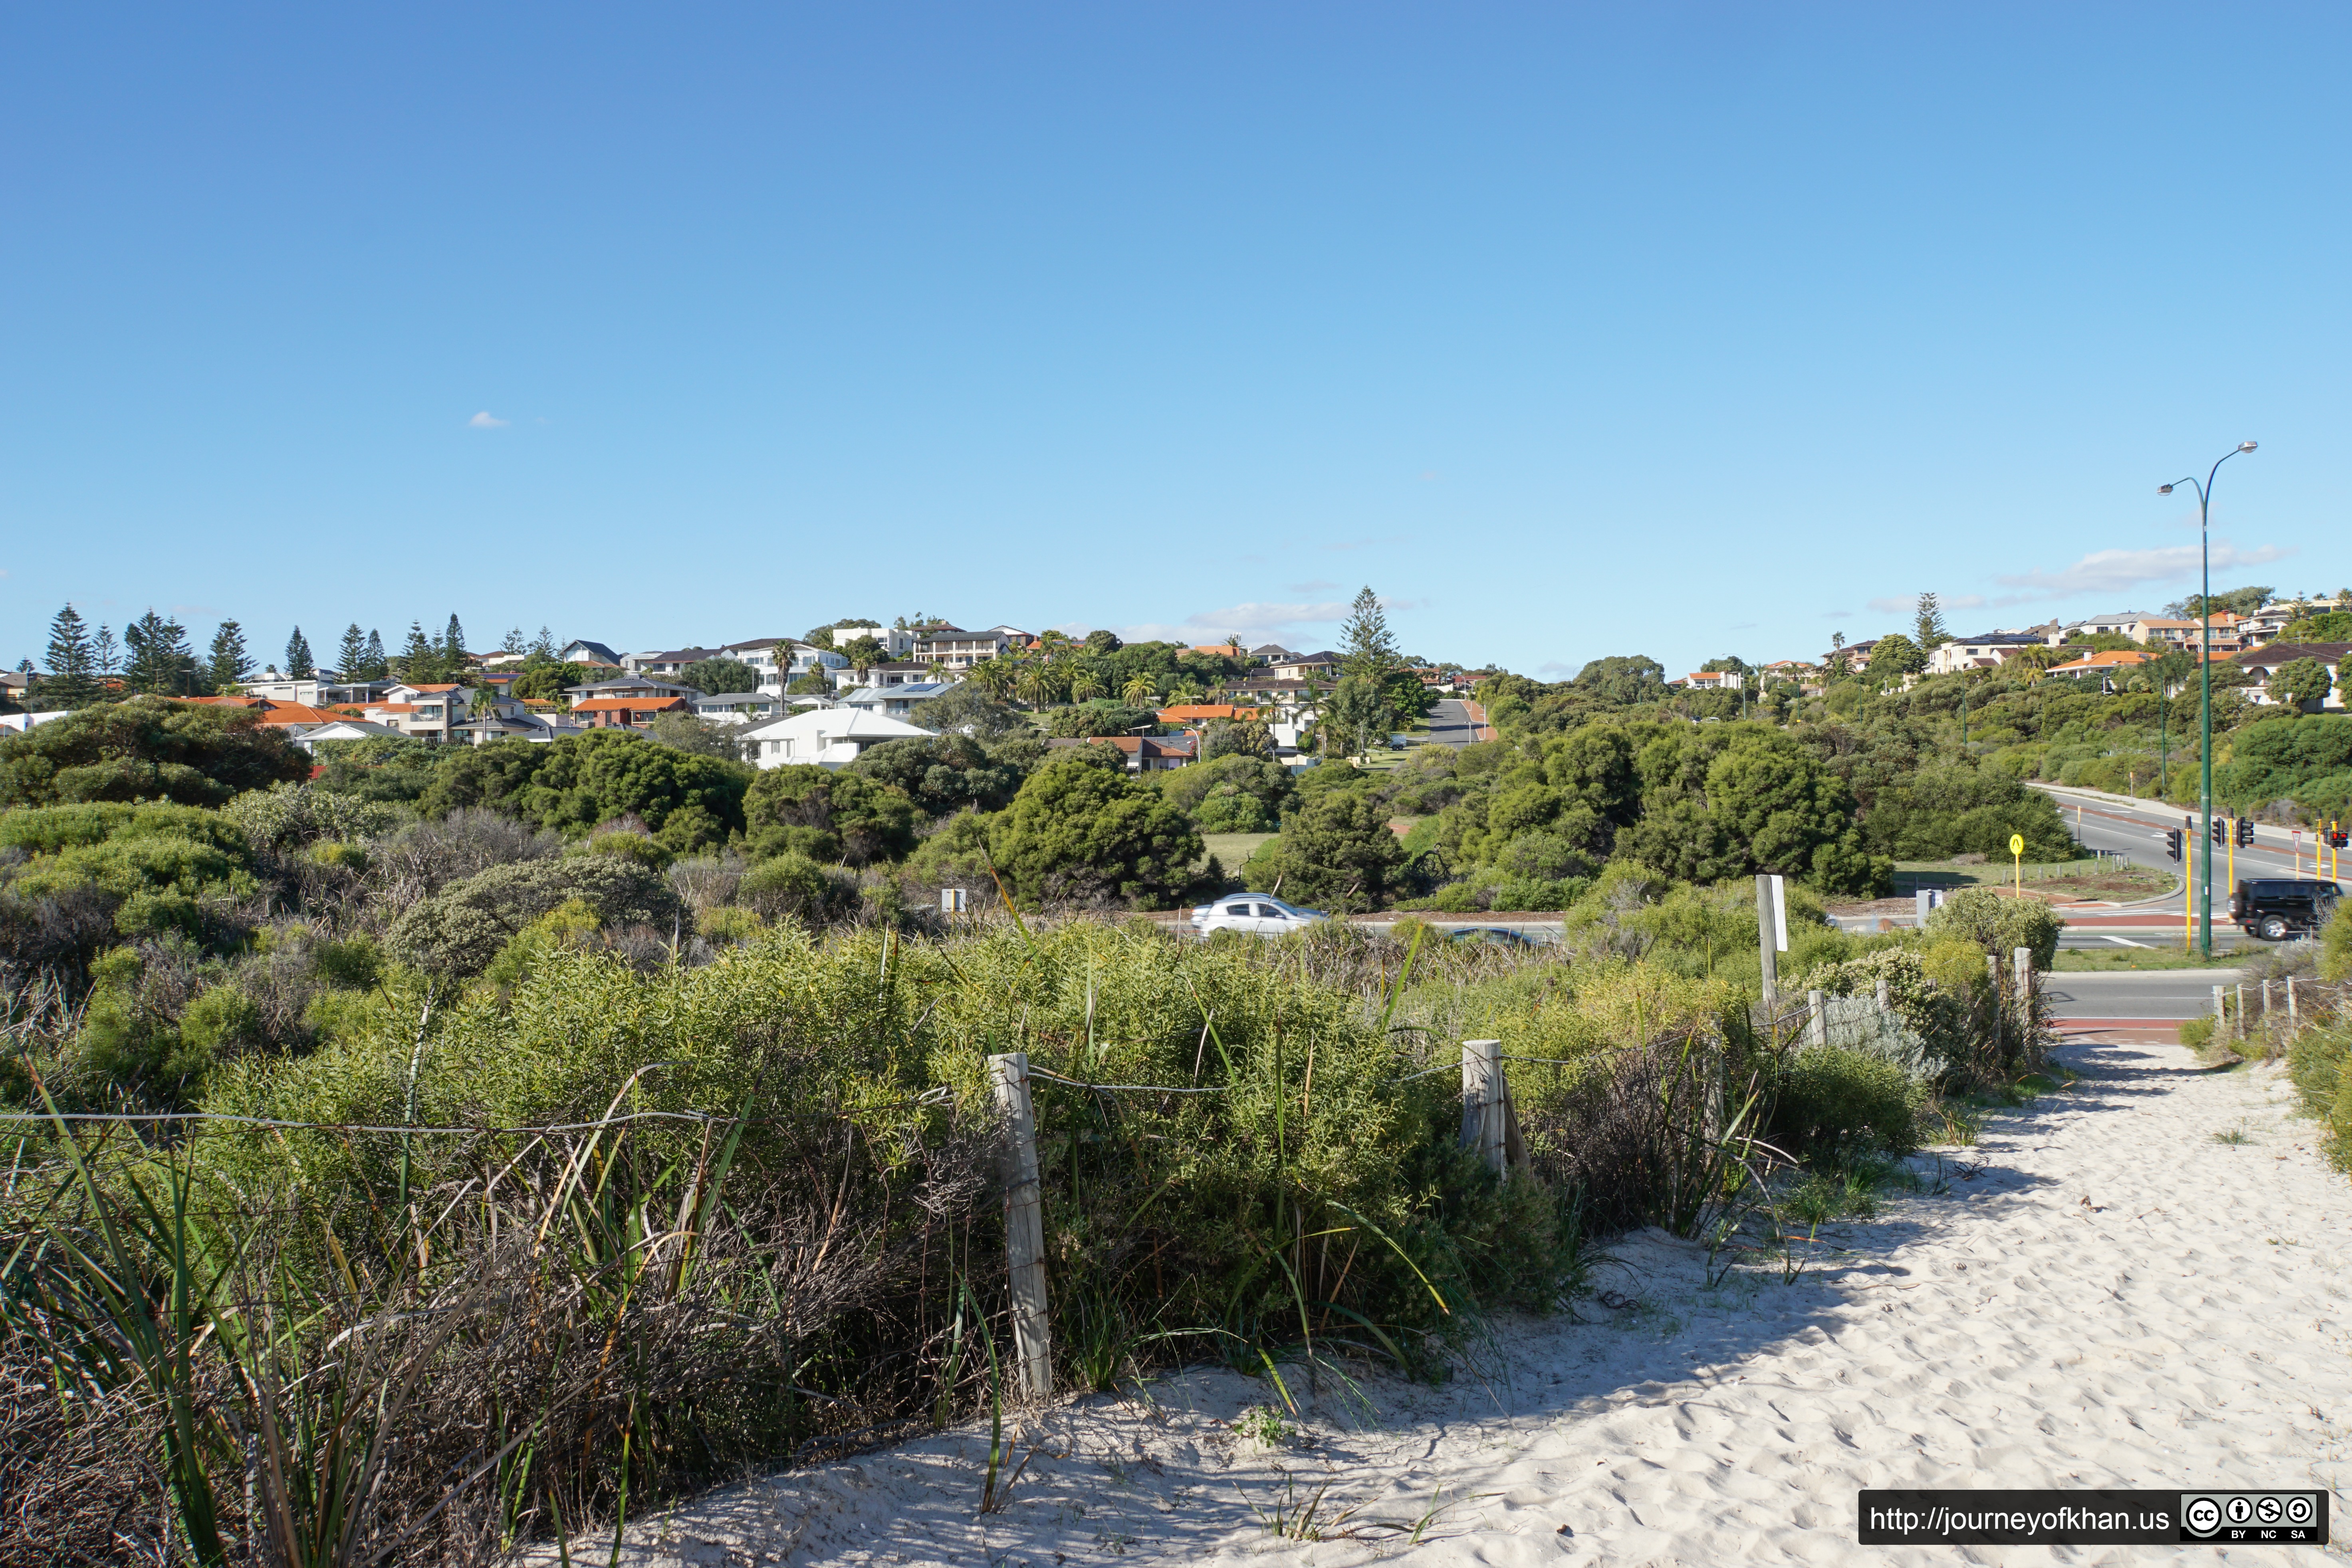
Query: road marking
[{"x": 2126, "y": 942}]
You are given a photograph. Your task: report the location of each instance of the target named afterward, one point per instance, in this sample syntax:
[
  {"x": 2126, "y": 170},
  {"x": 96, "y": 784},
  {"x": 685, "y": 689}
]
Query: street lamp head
[
  {"x": 2245, "y": 446},
  {"x": 2164, "y": 490}
]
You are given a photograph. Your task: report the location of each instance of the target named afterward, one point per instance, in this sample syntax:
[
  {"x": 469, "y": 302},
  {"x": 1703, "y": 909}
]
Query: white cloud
[
  {"x": 1316, "y": 586},
  {"x": 1257, "y": 617},
  {"x": 1837, "y": 614},
  {"x": 1553, "y": 667},
  {"x": 2109, "y": 572},
  {"x": 485, "y": 420}
]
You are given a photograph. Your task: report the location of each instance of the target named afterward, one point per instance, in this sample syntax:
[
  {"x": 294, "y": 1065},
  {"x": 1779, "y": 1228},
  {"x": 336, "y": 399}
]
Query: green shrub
[
  {"x": 2335, "y": 945},
  {"x": 1835, "y": 1105},
  {"x": 794, "y": 886},
  {"x": 457, "y": 932},
  {"x": 1998, "y": 924}
]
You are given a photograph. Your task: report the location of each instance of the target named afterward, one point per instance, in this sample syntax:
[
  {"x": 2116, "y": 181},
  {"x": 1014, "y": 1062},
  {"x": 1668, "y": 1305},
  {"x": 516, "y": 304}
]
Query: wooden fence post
[
  {"x": 1024, "y": 1224},
  {"x": 2240, "y": 1032},
  {"x": 2021, "y": 960},
  {"x": 2221, "y": 1015},
  {"x": 1885, "y": 995},
  {"x": 1489, "y": 1124},
  {"x": 2291, "y": 1023},
  {"x": 1817, "y": 1023},
  {"x": 1768, "y": 941}
]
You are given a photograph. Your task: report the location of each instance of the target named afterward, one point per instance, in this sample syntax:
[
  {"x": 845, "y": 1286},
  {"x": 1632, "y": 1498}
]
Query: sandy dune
[{"x": 2113, "y": 1297}]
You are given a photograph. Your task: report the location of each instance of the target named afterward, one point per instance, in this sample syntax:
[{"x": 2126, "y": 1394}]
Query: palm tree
[
  {"x": 1036, "y": 686},
  {"x": 1140, "y": 691},
  {"x": 996, "y": 676},
  {"x": 1183, "y": 692},
  {"x": 1085, "y": 684}
]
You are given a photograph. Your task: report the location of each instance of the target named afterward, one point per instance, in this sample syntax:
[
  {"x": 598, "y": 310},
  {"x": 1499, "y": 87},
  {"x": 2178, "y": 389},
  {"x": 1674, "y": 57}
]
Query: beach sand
[{"x": 2099, "y": 1294}]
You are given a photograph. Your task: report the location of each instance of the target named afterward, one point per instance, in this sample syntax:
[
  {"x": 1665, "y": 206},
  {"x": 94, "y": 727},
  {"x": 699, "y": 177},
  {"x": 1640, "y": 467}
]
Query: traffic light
[
  {"x": 2172, "y": 844},
  {"x": 2245, "y": 834},
  {"x": 2338, "y": 839},
  {"x": 2218, "y": 827}
]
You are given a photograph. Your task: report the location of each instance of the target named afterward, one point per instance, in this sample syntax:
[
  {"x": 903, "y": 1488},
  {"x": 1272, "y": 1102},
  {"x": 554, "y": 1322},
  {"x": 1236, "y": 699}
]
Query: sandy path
[{"x": 2115, "y": 1298}]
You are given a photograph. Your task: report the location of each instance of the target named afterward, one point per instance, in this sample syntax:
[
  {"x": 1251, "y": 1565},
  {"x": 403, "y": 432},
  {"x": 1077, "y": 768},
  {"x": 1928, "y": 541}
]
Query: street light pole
[{"x": 2205, "y": 679}]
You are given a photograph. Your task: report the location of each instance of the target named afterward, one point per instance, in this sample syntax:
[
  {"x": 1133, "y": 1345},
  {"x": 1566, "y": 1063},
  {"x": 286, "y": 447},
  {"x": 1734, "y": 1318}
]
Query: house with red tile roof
[{"x": 624, "y": 712}]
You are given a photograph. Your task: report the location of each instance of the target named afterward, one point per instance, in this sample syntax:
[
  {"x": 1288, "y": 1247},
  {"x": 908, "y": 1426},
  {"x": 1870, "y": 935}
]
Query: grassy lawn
[
  {"x": 1233, "y": 848},
  {"x": 2125, "y": 959},
  {"x": 2081, "y": 878}
]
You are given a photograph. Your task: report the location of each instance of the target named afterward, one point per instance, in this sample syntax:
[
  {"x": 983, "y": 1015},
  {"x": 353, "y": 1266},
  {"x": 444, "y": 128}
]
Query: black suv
[{"x": 2277, "y": 909}]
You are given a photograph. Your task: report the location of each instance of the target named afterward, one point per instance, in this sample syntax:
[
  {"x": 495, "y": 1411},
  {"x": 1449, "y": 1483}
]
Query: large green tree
[
  {"x": 713, "y": 676},
  {"x": 944, "y": 775},
  {"x": 1927, "y": 623},
  {"x": 351, "y": 655},
  {"x": 690, "y": 802},
  {"x": 1370, "y": 656},
  {"x": 148, "y": 747},
  {"x": 1336, "y": 852},
  {"x": 229, "y": 663},
  {"x": 72, "y": 677},
  {"x": 300, "y": 665},
  {"x": 1083, "y": 831},
  {"x": 1894, "y": 656},
  {"x": 160, "y": 660},
  {"x": 2302, "y": 683},
  {"x": 828, "y": 816}
]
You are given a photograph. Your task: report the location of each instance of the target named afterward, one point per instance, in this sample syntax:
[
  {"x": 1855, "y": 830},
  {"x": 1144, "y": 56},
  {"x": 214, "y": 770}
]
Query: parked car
[
  {"x": 2277, "y": 909},
  {"x": 1501, "y": 936},
  {"x": 1259, "y": 914}
]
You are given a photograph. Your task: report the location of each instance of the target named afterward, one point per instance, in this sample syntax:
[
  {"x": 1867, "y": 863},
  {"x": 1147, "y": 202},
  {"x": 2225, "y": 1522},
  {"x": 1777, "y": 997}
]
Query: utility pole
[{"x": 2205, "y": 673}]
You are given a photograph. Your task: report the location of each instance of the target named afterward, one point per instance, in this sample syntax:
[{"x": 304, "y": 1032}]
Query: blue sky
[{"x": 1672, "y": 329}]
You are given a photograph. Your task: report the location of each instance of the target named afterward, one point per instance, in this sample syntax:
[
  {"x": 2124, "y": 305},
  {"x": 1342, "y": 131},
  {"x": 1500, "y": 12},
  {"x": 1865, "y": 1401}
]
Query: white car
[{"x": 1256, "y": 913}]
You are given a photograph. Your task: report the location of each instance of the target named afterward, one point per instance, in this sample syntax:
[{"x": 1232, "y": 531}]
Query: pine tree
[
  {"x": 543, "y": 645},
  {"x": 418, "y": 664},
  {"x": 351, "y": 655},
  {"x": 230, "y": 663},
  {"x": 453, "y": 643},
  {"x": 160, "y": 660},
  {"x": 1371, "y": 650},
  {"x": 105, "y": 655},
  {"x": 514, "y": 643},
  {"x": 379, "y": 668},
  {"x": 298, "y": 665},
  {"x": 70, "y": 682},
  {"x": 1928, "y": 625}
]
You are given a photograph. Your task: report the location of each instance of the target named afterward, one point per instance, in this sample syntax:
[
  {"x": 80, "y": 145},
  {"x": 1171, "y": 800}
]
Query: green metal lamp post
[{"x": 2205, "y": 679}]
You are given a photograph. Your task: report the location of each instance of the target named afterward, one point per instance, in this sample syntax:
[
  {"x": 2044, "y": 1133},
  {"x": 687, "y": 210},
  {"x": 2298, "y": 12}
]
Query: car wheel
[{"x": 2274, "y": 929}]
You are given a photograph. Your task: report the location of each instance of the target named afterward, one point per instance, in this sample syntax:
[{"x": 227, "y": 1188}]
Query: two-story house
[
  {"x": 1986, "y": 650},
  {"x": 952, "y": 648}
]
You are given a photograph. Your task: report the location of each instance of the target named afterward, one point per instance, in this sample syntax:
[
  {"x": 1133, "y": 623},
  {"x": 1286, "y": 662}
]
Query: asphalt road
[
  {"x": 2135, "y": 830},
  {"x": 2165, "y": 995},
  {"x": 1449, "y": 722}
]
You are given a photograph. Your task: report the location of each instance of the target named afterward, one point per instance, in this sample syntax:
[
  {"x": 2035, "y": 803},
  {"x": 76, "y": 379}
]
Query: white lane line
[{"x": 2126, "y": 941}]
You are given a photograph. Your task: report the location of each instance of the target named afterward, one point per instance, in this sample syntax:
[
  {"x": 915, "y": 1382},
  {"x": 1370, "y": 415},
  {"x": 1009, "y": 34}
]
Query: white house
[
  {"x": 340, "y": 730},
  {"x": 582, "y": 651},
  {"x": 827, "y": 737},
  {"x": 2133, "y": 623},
  {"x": 1987, "y": 650},
  {"x": 736, "y": 707},
  {"x": 905, "y": 700}
]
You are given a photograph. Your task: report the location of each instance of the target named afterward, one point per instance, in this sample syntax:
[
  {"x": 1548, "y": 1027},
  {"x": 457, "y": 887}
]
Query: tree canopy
[
  {"x": 1082, "y": 830},
  {"x": 148, "y": 747}
]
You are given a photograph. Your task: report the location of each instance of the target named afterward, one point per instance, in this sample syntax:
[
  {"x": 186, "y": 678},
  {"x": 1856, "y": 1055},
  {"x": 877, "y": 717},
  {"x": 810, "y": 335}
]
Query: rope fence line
[{"x": 933, "y": 1098}]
